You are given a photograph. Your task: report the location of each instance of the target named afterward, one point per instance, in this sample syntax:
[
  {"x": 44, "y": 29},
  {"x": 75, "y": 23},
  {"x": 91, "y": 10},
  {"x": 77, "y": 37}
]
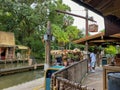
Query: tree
[{"x": 29, "y": 23}]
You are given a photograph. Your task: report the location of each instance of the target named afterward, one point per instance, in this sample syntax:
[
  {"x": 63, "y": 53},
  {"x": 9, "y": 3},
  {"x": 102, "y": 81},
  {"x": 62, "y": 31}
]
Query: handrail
[{"x": 70, "y": 77}]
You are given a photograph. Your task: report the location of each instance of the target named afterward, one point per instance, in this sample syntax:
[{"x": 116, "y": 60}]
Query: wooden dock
[
  {"x": 20, "y": 69},
  {"x": 12, "y": 61}
]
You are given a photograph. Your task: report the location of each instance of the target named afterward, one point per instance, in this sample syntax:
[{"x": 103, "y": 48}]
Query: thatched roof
[
  {"x": 7, "y": 39},
  {"x": 22, "y": 47},
  {"x": 60, "y": 52}
]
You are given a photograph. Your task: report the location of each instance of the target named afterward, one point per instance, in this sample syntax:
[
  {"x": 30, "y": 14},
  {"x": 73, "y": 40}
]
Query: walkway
[
  {"x": 94, "y": 80},
  {"x": 32, "y": 85}
]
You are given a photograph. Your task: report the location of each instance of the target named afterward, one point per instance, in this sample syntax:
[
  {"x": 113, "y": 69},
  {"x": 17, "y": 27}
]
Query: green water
[{"x": 18, "y": 78}]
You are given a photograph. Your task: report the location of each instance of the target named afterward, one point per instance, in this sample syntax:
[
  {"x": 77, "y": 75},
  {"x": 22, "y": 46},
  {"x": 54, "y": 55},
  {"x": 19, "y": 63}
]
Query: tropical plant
[
  {"x": 27, "y": 19},
  {"x": 110, "y": 50}
]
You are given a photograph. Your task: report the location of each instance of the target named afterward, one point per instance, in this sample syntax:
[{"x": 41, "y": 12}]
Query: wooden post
[
  {"x": 47, "y": 47},
  {"x": 86, "y": 21},
  {"x": 86, "y": 44}
]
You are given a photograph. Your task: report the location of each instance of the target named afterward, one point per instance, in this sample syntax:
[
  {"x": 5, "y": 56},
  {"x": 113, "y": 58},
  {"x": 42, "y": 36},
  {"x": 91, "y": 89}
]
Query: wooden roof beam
[{"x": 101, "y": 41}]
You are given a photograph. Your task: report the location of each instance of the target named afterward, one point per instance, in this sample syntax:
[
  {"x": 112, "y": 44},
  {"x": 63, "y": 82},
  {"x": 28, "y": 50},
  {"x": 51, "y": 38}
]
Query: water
[{"x": 18, "y": 78}]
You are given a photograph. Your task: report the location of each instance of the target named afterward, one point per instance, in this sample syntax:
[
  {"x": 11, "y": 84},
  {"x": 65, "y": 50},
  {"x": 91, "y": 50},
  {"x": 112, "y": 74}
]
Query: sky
[{"x": 79, "y": 10}]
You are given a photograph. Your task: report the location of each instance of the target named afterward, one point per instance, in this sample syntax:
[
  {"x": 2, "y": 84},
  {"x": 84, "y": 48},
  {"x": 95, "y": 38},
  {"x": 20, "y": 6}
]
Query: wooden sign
[{"x": 93, "y": 28}]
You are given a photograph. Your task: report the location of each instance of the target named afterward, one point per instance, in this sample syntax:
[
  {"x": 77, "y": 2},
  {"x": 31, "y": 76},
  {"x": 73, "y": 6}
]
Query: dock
[
  {"x": 20, "y": 69},
  {"x": 12, "y": 61}
]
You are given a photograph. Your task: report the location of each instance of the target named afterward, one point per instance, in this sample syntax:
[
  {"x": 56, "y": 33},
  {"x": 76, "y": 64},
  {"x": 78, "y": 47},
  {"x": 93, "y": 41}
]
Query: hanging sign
[{"x": 93, "y": 28}]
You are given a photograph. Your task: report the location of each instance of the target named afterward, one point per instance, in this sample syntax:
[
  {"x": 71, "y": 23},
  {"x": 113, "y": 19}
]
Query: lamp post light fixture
[{"x": 49, "y": 37}]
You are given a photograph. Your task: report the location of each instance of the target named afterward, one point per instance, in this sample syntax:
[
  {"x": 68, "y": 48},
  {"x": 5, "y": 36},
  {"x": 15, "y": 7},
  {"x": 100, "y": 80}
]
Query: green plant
[{"x": 110, "y": 50}]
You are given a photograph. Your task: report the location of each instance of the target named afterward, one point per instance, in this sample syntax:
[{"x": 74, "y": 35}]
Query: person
[
  {"x": 59, "y": 60},
  {"x": 18, "y": 55},
  {"x": 32, "y": 61},
  {"x": 65, "y": 63},
  {"x": 98, "y": 59},
  {"x": 93, "y": 61}
]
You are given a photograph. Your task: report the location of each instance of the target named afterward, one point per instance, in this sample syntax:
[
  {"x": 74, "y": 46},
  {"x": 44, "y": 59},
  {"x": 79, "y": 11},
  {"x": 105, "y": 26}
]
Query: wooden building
[
  {"x": 24, "y": 52},
  {"x": 7, "y": 46}
]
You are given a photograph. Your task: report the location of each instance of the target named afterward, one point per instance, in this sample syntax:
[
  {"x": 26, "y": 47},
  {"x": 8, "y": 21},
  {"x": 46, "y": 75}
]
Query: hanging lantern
[{"x": 93, "y": 28}]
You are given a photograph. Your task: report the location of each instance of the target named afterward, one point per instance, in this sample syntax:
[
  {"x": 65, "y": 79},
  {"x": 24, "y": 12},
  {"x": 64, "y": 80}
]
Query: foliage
[
  {"x": 29, "y": 23},
  {"x": 110, "y": 50},
  {"x": 72, "y": 32},
  {"x": 103, "y": 30},
  {"x": 60, "y": 35}
]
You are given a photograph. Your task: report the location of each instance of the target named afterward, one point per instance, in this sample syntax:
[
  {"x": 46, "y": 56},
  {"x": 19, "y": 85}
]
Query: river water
[{"x": 18, "y": 78}]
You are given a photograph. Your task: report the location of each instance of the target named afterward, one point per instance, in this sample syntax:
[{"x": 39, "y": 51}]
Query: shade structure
[
  {"x": 22, "y": 47},
  {"x": 109, "y": 9},
  {"x": 99, "y": 39}
]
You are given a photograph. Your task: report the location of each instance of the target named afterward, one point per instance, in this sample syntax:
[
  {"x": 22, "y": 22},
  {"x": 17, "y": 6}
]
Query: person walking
[{"x": 93, "y": 61}]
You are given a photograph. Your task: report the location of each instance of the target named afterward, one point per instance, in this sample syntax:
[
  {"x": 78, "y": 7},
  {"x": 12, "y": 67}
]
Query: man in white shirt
[{"x": 93, "y": 61}]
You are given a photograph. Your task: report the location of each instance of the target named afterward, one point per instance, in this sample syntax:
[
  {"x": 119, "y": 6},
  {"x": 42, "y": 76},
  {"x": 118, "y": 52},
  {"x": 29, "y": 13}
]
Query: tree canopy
[{"x": 28, "y": 18}]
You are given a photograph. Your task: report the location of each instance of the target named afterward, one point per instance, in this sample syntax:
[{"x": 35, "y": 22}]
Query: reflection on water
[{"x": 18, "y": 78}]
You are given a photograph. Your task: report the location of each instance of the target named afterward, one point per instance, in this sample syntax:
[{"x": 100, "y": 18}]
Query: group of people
[{"x": 64, "y": 61}]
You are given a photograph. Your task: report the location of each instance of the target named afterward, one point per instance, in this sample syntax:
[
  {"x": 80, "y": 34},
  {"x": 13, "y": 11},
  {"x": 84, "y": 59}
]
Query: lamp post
[
  {"x": 47, "y": 46},
  {"x": 48, "y": 37}
]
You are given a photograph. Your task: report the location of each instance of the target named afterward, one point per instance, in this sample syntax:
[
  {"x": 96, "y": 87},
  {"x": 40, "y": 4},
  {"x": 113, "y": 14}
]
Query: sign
[{"x": 93, "y": 28}]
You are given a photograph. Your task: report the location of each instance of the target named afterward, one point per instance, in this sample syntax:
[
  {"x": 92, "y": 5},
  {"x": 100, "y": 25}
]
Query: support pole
[
  {"x": 47, "y": 47},
  {"x": 86, "y": 44}
]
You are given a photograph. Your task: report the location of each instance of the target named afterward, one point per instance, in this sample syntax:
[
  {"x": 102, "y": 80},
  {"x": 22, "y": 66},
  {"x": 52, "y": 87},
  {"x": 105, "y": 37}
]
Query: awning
[
  {"x": 6, "y": 45},
  {"x": 22, "y": 47},
  {"x": 98, "y": 39}
]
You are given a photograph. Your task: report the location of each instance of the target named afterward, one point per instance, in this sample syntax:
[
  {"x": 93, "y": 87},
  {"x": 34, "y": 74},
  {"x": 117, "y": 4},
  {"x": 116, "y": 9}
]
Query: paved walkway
[
  {"x": 94, "y": 80},
  {"x": 32, "y": 85}
]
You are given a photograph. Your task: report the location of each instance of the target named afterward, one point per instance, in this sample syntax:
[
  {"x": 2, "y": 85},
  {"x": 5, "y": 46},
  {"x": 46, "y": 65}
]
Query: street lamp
[{"x": 48, "y": 37}]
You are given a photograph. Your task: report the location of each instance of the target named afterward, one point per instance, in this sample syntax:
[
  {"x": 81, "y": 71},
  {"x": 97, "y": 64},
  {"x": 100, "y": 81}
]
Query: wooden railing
[{"x": 70, "y": 78}]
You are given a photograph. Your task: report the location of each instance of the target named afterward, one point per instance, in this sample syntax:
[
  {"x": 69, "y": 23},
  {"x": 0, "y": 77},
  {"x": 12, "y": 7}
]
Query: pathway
[
  {"x": 32, "y": 85},
  {"x": 95, "y": 80}
]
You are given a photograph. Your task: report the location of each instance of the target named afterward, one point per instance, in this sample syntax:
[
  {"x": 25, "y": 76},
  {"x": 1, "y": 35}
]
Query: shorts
[{"x": 92, "y": 64}]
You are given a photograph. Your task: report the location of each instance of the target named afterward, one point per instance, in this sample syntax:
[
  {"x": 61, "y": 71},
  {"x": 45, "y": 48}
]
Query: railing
[{"x": 71, "y": 77}]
